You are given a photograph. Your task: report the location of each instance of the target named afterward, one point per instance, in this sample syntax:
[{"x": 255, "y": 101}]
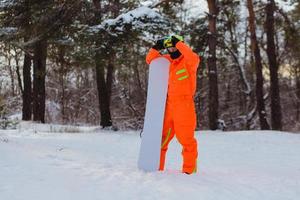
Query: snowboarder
[{"x": 180, "y": 116}]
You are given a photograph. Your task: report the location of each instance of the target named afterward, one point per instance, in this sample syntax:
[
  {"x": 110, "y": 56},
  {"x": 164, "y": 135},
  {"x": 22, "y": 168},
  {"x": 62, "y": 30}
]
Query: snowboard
[{"x": 149, "y": 156}]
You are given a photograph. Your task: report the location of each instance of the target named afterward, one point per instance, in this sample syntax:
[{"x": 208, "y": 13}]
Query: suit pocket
[{"x": 184, "y": 113}]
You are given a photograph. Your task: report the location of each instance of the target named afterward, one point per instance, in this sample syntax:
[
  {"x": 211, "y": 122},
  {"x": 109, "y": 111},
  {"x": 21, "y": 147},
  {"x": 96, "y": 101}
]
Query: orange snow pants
[{"x": 180, "y": 120}]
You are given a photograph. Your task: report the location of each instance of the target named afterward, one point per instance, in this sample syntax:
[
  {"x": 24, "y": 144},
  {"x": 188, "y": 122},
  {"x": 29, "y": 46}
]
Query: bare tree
[
  {"x": 273, "y": 66},
  {"x": 258, "y": 64}
]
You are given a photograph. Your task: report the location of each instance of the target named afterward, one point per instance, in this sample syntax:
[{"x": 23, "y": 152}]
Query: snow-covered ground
[{"x": 36, "y": 164}]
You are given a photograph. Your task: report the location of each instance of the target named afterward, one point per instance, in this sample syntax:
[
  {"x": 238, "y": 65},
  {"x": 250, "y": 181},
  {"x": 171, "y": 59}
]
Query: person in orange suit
[{"x": 180, "y": 116}]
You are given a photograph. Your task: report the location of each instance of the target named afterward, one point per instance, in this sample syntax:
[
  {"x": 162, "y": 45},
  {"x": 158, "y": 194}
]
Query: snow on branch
[
  {"x": 138, "y": 18},
  {"x": 7, "y": 32},
  {"x": 4, "y": 4}
]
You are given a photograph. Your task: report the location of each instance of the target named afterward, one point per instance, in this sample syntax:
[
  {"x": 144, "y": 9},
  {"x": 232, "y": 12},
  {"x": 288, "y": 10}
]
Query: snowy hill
[{"x": 39, "y": 164}]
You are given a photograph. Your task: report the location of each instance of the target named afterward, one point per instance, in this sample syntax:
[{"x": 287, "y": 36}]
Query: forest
[{"x": 82, "y": 62}]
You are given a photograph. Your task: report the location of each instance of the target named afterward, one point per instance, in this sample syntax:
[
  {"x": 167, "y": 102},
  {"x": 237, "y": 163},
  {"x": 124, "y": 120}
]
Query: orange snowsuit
[{"x": 180, "y": 116}]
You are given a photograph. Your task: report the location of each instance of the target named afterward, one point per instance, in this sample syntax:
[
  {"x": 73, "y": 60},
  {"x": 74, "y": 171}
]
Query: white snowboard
[{"x": 149, "y": 156}]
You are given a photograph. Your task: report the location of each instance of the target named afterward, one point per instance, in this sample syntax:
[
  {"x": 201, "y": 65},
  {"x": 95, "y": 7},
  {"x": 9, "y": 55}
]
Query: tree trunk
[
  {"x": 27, "y": 64},
  {"x": 104, "y": 90},
  {"x": 62, "y": 74},
  {"x": 39, "y": 74},
  {"x": 18, "y": 72},
  {"x": 103, "y": 93},
  {"x": 109, "y": 75},
  {"x": 212, "y": 66},
  {"x": 273, "y": 65},
  {"x": 259, "y": 76},
  {"x": 11, "y": 73},
  {"x": 27, "y": 92}
]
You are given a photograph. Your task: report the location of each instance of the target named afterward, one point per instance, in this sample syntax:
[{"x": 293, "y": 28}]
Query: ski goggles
[{"x": 168, "y": 40}]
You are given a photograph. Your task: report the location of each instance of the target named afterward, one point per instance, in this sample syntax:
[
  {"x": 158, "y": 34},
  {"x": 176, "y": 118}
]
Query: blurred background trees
[{"x": 83, "y": 62}]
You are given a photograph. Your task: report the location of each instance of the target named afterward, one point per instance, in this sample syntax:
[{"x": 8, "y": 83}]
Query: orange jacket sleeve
[
  {"x": 153, "y": 53},
  {"x": 193, "y": 59}
]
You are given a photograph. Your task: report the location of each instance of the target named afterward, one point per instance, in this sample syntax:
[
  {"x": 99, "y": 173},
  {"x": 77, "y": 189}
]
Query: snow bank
[
  {"x": 6, "y": 3},
  {"x": 7, "y": 31},
  {"x": 103, "y": 165},
  {"x": 31, "y": 127}
]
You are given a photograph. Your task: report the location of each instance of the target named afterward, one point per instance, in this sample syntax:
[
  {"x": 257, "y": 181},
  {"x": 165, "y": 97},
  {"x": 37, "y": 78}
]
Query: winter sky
[
  {"x": 196, "y": 7},
  {"x": 199, "y": 7}
]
